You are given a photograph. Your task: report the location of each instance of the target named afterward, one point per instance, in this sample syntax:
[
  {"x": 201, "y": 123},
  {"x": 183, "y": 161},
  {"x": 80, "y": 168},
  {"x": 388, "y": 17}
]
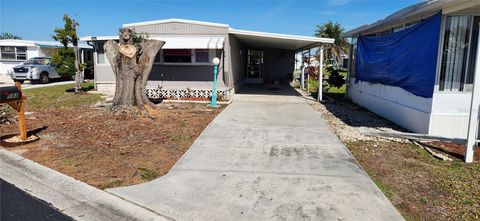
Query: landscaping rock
[{"x": 350, "y": 121}]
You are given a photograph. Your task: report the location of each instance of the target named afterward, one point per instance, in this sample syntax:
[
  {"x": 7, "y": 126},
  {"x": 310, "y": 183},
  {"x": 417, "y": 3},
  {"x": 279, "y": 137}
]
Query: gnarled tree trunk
[{"x": 131, "y": 62}]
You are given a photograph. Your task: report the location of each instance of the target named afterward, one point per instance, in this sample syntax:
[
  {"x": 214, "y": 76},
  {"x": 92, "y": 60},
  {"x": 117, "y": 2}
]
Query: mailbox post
[{"x": 13, "y": 96}]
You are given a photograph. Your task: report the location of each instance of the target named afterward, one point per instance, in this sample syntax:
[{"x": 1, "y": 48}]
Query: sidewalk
[
  {"x": 71, "y": 197},
  {"x": 28, "y": 85},
  {"x": 267, "y": 156}
]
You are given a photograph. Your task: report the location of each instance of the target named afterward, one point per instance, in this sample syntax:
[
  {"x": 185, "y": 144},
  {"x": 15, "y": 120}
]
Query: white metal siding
[
  {"x": 450, "y": 114},
  {"x": 174, "y": 28},
  {"x": 237, "y": 69},
  {"x": 393, "y": 103}
]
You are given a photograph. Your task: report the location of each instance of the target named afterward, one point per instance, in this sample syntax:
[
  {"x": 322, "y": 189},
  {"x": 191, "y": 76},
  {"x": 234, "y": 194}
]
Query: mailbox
[{"x": 10, "y": 93}]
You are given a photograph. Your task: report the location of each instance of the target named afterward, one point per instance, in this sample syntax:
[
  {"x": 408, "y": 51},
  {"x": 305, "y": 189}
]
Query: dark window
[
  {"x": 353, "y": 50},
  {"x": 398, "y": 28},
  {"x": 21, "y": 53},
  {"x": 201, "y": 56},
  {"x": 385, "y": 33},
  {"x": 8, "y": 52},
  {"x": 473, "y": 53},
  {"x": 89, "y": 55},
  {"x": 177, "y": 55}
]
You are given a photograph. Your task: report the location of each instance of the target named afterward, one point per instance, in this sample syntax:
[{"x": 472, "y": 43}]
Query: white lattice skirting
[{"x": 155, "y": 93}]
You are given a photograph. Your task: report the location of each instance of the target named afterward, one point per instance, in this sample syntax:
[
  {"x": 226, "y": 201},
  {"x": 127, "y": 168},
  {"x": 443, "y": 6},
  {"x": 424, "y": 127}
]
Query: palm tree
[{"x": 335, "y": 31}]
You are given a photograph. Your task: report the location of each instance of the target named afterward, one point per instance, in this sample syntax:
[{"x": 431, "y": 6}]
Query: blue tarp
[{"x": 406, "y": 59}]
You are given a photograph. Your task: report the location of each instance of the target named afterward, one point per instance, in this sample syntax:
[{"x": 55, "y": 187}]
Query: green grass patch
[
  {"x": 179, "y": 138},
  {"x": 148, "y": 174},
  {"x": 56, "y": 97},
  {"x": 428, "y": 188},
  {"x": 384, "y": 188}
]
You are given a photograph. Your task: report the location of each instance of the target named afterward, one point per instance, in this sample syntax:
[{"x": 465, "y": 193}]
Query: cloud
[{"x": 338, "y": 2}]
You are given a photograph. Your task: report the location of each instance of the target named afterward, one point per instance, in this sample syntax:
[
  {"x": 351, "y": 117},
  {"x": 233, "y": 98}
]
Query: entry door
[{"x": 254, "y": 67}]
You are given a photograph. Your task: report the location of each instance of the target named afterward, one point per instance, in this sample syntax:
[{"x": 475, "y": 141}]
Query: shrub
[
  {"x": 64, "y": 60},
  {"x": 335, "y": 79}
]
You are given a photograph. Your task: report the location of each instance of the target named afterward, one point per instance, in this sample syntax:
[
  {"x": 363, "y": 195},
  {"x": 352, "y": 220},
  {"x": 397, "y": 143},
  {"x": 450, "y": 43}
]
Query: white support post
[
  {"x": 302, "y": 78},
  {"x": 320, "y": 74},
  {"x": 308, "y": 74},
  {"x": 474, "y": 109},
  {"x": 82, "y": 61}
]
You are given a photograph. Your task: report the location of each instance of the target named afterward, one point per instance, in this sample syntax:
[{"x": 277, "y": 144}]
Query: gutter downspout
[{"x": 95, "y": 47}]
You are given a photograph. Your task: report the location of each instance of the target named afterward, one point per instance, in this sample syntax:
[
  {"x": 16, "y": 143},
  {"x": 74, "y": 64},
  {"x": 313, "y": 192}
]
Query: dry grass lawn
[{"x": 104, "y": 149}]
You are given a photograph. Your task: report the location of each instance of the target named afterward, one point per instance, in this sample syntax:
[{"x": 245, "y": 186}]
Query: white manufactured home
[
  {"x": 416, "y": 67},
  {"x": 14, "y": 52},
  {"x": 183, "y": 68}
]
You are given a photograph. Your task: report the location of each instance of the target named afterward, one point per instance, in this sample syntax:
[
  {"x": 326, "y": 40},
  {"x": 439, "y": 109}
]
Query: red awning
[{"x": 177, "y": 52}]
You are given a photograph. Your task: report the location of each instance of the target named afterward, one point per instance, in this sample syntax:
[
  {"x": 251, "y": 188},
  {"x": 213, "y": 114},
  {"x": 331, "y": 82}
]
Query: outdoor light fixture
[{"x": 216, "y": 62}]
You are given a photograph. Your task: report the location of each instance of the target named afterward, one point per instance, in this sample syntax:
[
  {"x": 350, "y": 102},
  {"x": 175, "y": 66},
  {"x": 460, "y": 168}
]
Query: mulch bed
[{"x": 108, "y": 150}]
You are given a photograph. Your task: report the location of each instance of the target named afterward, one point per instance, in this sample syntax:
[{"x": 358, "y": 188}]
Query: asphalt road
[{"x": 17, "y": 205}]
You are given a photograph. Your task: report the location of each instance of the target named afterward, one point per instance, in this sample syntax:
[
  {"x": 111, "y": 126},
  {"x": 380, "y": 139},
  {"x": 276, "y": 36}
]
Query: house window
[
  {"x": 473, "y": 53},
  {"x": 385, "y": 33},
  {"x": 454, "y": 73},
  {"x": 21, "y": 53},
  {"x": 13, "y": 53},
  {"x": 177, "y": 56},
  {"x": 353, "y": 51},
  {"x": 398, "y": 28},
  {"x": 411, "y": 24},
  {"x": 201, "y": 56},
  {"x": 89, "y": 56},
  {"x": 100, "y": 54}
]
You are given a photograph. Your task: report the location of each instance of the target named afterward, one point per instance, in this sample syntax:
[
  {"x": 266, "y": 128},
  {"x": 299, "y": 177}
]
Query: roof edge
[
  {"x": 163, "y": 21},
  {"x": 283, "y": 36},
  {"x": 418, "y": 10}
]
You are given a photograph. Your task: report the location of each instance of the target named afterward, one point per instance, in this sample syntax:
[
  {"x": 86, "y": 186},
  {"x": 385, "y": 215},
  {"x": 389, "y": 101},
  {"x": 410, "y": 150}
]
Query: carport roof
[{"x": 274, "y": 40}]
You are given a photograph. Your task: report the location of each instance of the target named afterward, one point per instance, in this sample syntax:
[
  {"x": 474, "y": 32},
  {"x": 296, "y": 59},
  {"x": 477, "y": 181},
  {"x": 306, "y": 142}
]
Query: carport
[{"x": 268, "y": 58}]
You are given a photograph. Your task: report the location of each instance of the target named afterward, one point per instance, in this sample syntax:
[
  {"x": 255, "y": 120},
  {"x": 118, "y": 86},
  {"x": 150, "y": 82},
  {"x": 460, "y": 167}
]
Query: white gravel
[{"x": 350, "y": 121}]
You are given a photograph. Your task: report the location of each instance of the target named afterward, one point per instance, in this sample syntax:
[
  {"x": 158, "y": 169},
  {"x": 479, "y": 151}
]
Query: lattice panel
[{"x": 156, "y": 93}]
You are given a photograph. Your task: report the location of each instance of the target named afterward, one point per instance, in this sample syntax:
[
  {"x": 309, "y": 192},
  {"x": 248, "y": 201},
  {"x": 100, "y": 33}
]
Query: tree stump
[{"x": 131, "y": 63}]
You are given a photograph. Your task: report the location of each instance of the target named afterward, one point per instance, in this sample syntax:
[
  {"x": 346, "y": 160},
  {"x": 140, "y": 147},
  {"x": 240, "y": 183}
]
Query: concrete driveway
[{"x": 267, "y": 156}]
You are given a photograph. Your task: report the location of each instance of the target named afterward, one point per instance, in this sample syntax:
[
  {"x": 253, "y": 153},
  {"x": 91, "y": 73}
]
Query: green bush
[
  {"x": 64, "y": 60},
  {"x": 335, "y": 79}
]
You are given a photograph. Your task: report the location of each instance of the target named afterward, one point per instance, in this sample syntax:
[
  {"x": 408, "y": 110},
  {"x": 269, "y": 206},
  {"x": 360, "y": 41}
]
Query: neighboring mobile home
[
  {"x": 183, "y": 67},
  {"x": 14, "y": 52},
  {"x": 416, "y": 67}
]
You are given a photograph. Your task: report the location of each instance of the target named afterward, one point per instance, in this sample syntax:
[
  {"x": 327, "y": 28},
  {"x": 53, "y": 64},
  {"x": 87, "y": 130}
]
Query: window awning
[{"x": 195, "y": 42}]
